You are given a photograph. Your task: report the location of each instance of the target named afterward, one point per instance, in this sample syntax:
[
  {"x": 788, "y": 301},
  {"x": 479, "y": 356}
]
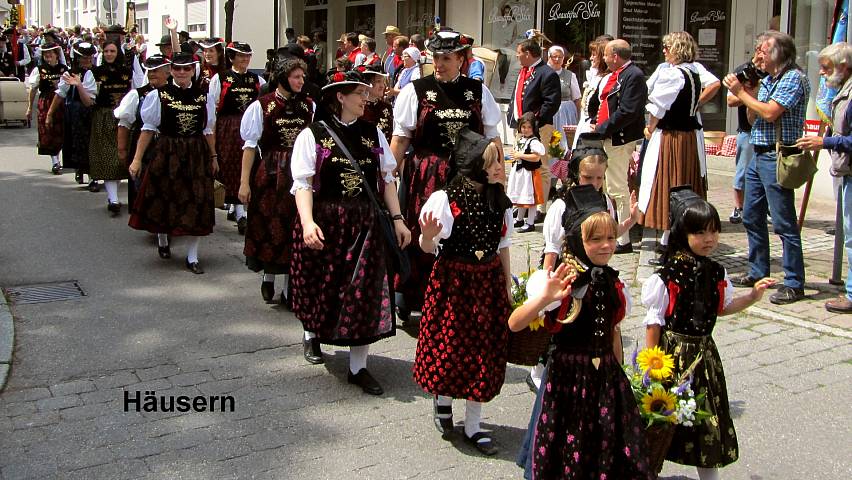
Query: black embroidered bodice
[
  {"x": 443, "y": 110},
  {"x": 337, "y": 179},
  {"x": 283, "y": 119},
  {"x": 238, "y": 91},
  {"x": 49, "y": 76},
  {"x": 476, "y": 228},
  {"x": 696, "y": 289},
  {"x": 380, "y": 114},
  {"x": 183, "y": 112},
  {"x": 114, "y": 81},
  {"x": 683, "y": 114}
]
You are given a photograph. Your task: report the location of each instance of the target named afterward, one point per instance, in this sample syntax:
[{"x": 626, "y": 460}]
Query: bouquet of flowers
[
  {"x": 554, "y": 149},
  {"x": 519, "y": 296},
  {"x": 526, "y": 346}
]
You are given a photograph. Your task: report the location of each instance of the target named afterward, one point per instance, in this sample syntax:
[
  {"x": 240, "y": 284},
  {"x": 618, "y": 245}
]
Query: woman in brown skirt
[
  {"x": 176, "y": 195},
  {"x": 675, "y": 153},
  {"x": 269, "y": 128},
  {"x": 230, "y": 93},
  {"x": 44, "y": 79}
]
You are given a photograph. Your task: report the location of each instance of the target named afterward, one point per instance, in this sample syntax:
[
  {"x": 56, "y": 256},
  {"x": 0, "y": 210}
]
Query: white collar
[{"x": 344, "y": 123}]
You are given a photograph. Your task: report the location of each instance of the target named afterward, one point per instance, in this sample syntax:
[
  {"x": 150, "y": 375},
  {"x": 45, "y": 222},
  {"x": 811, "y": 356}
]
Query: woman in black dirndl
[
  {"x": 212, "y": 61},
  {"x": 230, "y": 93},
  {"x": 74, "y": 98},
  {"x": 114, "y": 81},
  {"x": 269, "y": 128},
  {"x": 176, "y": 195},
  {"x": 341, "y": 284},
  {"x": 44, "y": 79},
  {"x": 463, "y": 343},
  {"x": 428, "y": 114},
  {"x": 378, "y": 112}
]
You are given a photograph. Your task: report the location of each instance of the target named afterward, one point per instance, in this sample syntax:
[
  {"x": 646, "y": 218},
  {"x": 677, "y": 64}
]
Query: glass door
[{"x": 709, "y": 23}]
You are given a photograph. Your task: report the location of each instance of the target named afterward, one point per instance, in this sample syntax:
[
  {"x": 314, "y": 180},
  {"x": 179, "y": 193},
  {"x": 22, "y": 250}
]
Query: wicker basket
[
  {"x": 218, "y": 194},
  {"x": 526, "y": 346},
  {"x": 658, "y": 437}
]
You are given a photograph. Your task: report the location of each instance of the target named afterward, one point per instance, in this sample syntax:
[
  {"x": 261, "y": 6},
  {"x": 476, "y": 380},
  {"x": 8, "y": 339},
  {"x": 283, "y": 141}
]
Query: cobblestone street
[{"x": 146, "y": 324}]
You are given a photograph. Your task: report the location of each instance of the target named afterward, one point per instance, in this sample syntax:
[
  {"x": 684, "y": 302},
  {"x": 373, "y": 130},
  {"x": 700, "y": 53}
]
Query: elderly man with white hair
[{"x": 835, "y": 65}]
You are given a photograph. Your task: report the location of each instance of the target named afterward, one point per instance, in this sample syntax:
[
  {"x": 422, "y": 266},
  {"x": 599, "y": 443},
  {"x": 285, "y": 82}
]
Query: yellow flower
[
  {"x": 536, "y": 324},
  {"x": 555, "y": 138},
  {"x": 660, "y": 401},
  {"x": 657, "y": 363}
]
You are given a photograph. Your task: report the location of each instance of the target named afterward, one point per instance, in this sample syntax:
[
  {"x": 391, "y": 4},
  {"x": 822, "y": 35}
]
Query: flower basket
[
  {"x": 527, "y": 346},
  {"x": 659, "y": 438},
  {"x": 218, "y": 194}
]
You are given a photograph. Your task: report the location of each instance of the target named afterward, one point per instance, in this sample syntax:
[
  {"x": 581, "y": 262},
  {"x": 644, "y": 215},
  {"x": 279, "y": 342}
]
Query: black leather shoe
[
  {"x": 78, "y": 177},
  {"x": 241, "y": 225},
  {"x": 483, "y": 442},
  {"x": 622, "y": 249},
  {"x": 114, "y": 209},
  {"x": 786, "y": 295},
  {"x": 56, "y": 170},
  {"x": 194, "y": 267},
  {"x": 539, "y": 217},
  {"x": 444, "y": 424},
  {"x": 94, "y": 187},
  {"x": 164, "y": 252},
  {"x": 267, "y": 291},
  {"x": 518, "y": 223},
  {"x": 366, "y": 381},
  {"x": 232, "y": 216},
  {"x": 313, "y": 352},
  {"x": 743, "y": 281}
]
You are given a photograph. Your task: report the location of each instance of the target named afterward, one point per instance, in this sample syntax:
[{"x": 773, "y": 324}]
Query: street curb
[
  {"x": 770, "y": 315},
  {"x": 7, "y": 340}
]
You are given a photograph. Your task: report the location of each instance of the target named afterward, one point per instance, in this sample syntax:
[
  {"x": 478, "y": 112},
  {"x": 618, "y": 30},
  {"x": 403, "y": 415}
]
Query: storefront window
[
  {"x": 418, "y": 16},
  {"x": 810, "y": 27},
  {"x": 709, "y": 23},
  {"x": 573, "y": 24},
  {"x": 504, "y": 24},
  {"x": 316, "y": 17},
  {"x": 361, "y": 18},
  {"x": 643, "y": 23}
]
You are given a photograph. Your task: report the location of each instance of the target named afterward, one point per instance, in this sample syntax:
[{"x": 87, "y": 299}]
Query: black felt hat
[
  {"x": 681, "y": 198},
  {"x": 84, "y": 49},
  {"x": 581, "y": 202},
  {"x": 47, "y": 46},
  {"x": 339, "y": 79},
  {"x": 369, "y": 70},
  {"x": 446, "y": 41},
  {"x": 115, "y": 29},
  {"x": 588, "y": 144},
  {"x": 183, "y": 59},
  {"x": 211, "y": 42},
  {"x": 240, "y": 47},
  {"x": 467, "y": 153},
  {"x": 164, "y": 40},
  {"x": 154, "y": 62}
]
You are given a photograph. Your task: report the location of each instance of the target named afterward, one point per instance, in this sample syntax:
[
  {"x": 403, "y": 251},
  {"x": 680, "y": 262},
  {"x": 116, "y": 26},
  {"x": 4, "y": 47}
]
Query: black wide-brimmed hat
[
  {"x": 116, "y": 29},
  {"x": 164, "y": 40},
  {"x": 446, "y": 41},
  {"x": 47, "y": 46},
  {"x": 369, "y": 70},
  {"x": 240, "y": 47},
  {"x": 340, "y": 79},
  {"x": 211, "y": 42},
  {"x": 154, "y": 62},
  {"x": 184, "y": 59},
  {"x": 84, "y": 49}
]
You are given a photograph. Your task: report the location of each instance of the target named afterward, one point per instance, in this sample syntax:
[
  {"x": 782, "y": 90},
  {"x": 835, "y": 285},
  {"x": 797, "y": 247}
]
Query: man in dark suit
[
  {"x": 619, "y": 112},
  {"x": 538, "y": 91}
]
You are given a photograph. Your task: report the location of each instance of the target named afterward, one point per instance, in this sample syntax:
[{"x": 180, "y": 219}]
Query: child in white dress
[{"x": 525, "y": 187}]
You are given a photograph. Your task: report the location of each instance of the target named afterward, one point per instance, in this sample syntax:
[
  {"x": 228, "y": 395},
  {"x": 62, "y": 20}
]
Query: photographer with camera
[{"x": 780, "y": 103}]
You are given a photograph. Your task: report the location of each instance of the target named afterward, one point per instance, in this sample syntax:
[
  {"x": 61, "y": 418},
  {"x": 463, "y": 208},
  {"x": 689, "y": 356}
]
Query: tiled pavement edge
[{"x": 7, "y": 340}]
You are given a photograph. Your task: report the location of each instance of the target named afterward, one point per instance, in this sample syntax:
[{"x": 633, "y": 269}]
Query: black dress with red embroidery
[
  {"x": 444, "y": 109},
  {"x": 463, "y": 340},
  {"x": 49, "y": 138},
  {"x": 272, "y": 209},
  {"x": 238, "y": 91},
  {"x": 342, "y": 292},
  {"x": 589, "y": 424},
  {"x": 380, "y": 114}
]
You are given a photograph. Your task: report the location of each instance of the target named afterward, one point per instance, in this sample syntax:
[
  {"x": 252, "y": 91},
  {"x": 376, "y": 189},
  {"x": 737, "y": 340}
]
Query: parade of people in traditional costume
[
  {"x": 175, "y": 197},
  {"x": 340, "y": 281},
  {"x": 230, "y": 93},
  {"x": 428, "y": 114},
  {"x": 43, "y": 80},
  {"x": 269, "y": 129}
]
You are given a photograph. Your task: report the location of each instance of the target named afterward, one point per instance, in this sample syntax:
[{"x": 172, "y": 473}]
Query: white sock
[
  {"x": 707, "y": 473},
  {"x": 310, "y": 335},
  {"x": 240, "y": 211},
  {"x": 192, "y": 252},
  {"x": 112, "y": 190},
  {"x": 163, "y": 239},
  {"x": 472, "y": 417},
  {"x": 286, "y": 289},
  {"x": 531, "y": 216},
  {"x": 536, "y": 372},
  {"x": 664, "y": 240},
  {"x": 269, "y": 277},
  {"x": 54, "y": 159},
  {"x": 444, "y": 402},
  {"x": 358, "y": 358}
]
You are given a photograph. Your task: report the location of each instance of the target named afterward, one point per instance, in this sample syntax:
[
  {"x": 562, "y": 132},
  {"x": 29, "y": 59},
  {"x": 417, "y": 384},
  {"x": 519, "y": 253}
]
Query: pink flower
[
  {"x": 627, "y": 451},
  {"x": 603, "y": 476},
  {"x": 570, "y": 438},
  {"x": 576, "y": 456},
  {"x": 604, "y": 411},
  {"x": 542, "y": 451}
]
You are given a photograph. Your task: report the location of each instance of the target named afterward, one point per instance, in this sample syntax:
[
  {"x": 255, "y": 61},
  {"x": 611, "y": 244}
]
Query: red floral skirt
[
  {"x": 49, "y": 139},
  {"x": 341, "y": 292},
  {"x": 271, "y": 214},
  {"x": 464, "y": 334},
  {"x": 229, "y": 147}
]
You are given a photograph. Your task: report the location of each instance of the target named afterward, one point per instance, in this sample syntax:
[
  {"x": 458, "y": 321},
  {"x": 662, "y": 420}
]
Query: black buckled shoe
[
  {"x": 56, "y": 170},
  {"x": 313, "y": 352},
  {"x": 483, "y": 442},
  {"x": 241, "y": 225},
  {"x": 366, "y": 381},
  {"x": 267, "y": 291},
  {"x": 743, "y": 281},
  {"x": 194, "y": 267},
  {"x": 78, "y": 177},
  {"x": 114, "y": 209},
  {"x": 444, "y": 424},
  {"x": 164, "y": 252},
  {"x": 94, "y": 186},
  {"x": 232, "y": 216},
  {"x": 786, "y": 295}
]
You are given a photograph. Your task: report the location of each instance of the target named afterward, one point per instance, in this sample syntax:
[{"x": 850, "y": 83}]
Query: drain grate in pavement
[{"x": 44, "y": 292}]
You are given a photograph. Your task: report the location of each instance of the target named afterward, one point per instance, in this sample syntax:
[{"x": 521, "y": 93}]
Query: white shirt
[
  {"x": 303, "y": 162},
  {"x": 707, "y": 78},
  {"x": 215, "y": 90},
  {"x": 126, "y": 110},
  {"x": 151, "y": 115},
  {"x": 89, "y": 85},
  {"x": 139, "y": 77},
  {"x": 438, "y": 205},
  {"x": 666, "y": 86},
  {"x": 406, "y": 105},
  {"x": 251, "y": 126},
  {"x": 538, "y": 280},
  {"x": 655, "y": 297}
]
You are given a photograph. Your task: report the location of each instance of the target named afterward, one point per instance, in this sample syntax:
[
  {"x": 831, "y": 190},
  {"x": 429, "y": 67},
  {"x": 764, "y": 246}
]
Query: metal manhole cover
[{"x": 44, "y": 292}]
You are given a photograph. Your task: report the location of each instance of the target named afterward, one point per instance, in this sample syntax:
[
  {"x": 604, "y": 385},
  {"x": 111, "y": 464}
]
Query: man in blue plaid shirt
[{"x": 781, "y": 97}]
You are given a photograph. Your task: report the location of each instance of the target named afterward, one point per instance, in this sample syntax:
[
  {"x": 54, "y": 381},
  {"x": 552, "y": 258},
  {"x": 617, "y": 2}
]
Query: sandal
[
  {"x": 483, "y": 442},
  {"x": 444, "y": 425}
]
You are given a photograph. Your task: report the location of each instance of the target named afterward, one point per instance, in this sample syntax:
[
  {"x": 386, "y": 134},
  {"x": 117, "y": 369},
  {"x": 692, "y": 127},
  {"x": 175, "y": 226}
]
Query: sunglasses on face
[{"x": 181, "y": 68}]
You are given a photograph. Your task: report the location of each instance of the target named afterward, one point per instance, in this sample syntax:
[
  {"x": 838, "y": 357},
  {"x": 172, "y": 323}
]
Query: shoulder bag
[{"x": 793, "y": 167}]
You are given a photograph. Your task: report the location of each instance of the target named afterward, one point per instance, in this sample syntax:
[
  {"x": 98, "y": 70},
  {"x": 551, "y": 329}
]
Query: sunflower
[
  {"x": 661, "y": 402},
  {"x": 657, "y": 363},
  {"x": 555, "y": 138},
  {"x": 536, "y": 324}
]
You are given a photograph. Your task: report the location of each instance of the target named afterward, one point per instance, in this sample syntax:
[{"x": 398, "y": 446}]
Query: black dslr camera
[{"x": 750, "y": 74}]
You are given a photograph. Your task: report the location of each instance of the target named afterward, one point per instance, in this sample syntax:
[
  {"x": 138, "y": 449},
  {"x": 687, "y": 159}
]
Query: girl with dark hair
[
  {"x": 341, "y": 284},
  {"x": 212, "y": 61},
  {"x": 230, "y": 93},
  {"x": 684, "y": 299},
  {"x": 587, "y": 423},
  {"x": 525, "y": 188},
  {"x": 270, "y": 127},
  {"x": 462, "y": 345},
  {"x": 378, "y": 111},
  {"x": 114, "y": 81},
  {"x": 44, "y": 79}
]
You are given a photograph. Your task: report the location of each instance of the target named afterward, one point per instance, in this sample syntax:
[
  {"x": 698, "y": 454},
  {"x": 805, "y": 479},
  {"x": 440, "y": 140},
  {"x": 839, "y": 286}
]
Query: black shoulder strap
[{"x": 354, "y": 163}]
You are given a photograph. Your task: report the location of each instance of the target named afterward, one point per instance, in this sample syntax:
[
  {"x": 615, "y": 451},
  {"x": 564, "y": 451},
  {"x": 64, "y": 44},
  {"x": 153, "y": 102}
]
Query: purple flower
[
  {"x": 646, "y": 379},
  {"x": 323, "y": 152},
  {"x": 377, "y": 151},
  {"x": 633, "y": 358},
  {"x": 683, "y": 387}
]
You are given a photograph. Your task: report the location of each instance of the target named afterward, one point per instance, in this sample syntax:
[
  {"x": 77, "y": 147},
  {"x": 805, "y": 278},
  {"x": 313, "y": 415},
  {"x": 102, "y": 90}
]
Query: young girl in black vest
[
  {"x": 683, "y": 299},
  {"x": 525, "y": 188}
]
